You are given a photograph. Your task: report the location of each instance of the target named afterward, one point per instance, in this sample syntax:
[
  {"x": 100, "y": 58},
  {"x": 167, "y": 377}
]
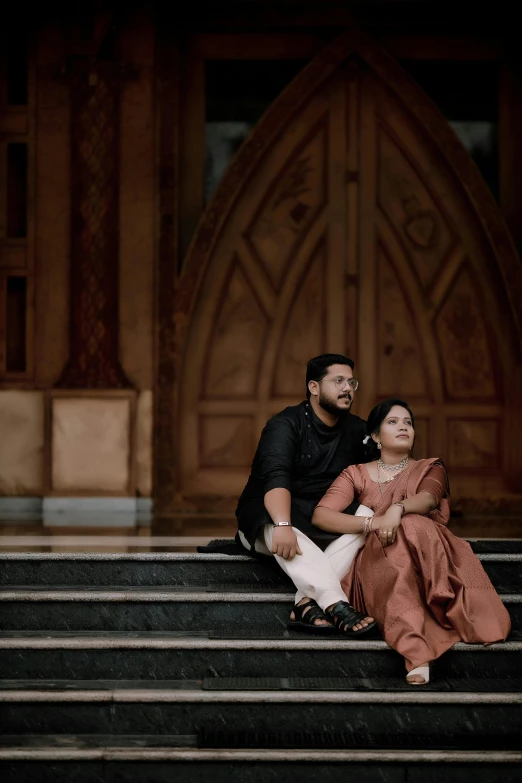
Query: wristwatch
[{"x": 282, "y": 524}]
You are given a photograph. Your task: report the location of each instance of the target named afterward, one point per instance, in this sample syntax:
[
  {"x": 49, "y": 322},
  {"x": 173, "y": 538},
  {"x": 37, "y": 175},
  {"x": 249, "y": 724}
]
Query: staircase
[{"x": 154, "y": 667}]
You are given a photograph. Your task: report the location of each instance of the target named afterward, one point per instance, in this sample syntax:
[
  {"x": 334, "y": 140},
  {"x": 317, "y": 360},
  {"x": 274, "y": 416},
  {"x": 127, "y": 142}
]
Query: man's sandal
[
  {"x": 345, "y": 617},
  {"x": 305, "y": 617}
]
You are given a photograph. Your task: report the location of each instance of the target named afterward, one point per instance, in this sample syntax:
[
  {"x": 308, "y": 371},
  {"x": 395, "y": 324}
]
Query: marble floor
[{"x": 113, "y": 533}]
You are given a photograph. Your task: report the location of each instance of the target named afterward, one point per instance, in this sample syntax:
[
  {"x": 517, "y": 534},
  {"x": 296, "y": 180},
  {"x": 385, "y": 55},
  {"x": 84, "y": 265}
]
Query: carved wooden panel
[
  {"x": 291, "y": 204},
  {"x": 237, "y": 340},
  {"x": 226, "y": 441},
  {"x": 412, "y": 205},
  {"x": 349, "y": 222},
  {"x": 421, "y": 447},
  {"x": 463, "y": 338},
  {"x": 400, "y": 358},
  {"x": 304, "y": 333},
  {"x": 474, "y": 444}
]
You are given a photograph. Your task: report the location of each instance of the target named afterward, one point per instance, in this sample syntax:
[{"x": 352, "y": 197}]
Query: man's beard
[{"x": 332, "y": 407}]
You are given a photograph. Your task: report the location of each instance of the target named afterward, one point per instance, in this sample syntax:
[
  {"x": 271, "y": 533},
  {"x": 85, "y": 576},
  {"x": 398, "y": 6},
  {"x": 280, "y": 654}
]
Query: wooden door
[{"x": 351, "y": 221}]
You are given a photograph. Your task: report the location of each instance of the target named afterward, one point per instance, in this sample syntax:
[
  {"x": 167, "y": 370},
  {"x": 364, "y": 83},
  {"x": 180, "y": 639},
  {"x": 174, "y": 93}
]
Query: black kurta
[{"x": 298, "y": 452}]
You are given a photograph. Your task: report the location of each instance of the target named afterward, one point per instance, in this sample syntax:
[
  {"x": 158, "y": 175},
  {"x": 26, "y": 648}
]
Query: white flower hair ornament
[{"x": 366, "y": 439}]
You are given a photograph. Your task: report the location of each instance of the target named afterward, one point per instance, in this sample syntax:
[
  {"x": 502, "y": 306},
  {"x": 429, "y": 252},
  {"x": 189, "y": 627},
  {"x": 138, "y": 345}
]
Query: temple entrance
[{"x": 351, "y": 221}]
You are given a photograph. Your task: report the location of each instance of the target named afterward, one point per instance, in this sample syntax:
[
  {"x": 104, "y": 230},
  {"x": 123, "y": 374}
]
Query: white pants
[{"x": 316, "y": 573}]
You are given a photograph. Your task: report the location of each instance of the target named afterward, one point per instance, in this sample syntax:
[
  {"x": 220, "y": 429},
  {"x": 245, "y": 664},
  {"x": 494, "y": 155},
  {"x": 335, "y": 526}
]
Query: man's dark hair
[
  {"x": 318, "y": 367},
  {"x": 375, "y": 420}
]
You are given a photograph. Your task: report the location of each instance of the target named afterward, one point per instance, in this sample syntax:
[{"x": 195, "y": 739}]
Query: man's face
[{"x": 335, "y": 394}]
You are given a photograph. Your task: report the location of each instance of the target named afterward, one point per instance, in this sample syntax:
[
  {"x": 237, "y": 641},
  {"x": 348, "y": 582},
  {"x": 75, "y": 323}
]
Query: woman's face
[{"x": 396, "y": 431}]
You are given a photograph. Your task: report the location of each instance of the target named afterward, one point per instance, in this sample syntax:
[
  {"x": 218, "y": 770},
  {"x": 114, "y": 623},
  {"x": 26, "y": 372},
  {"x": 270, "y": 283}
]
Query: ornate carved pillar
[
  {"x": 92, "y": 406},
  {"x": 93, "y": 355}
]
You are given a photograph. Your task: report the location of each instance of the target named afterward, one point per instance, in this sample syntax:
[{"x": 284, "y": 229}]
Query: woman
[{"x": 425, "y": 587}]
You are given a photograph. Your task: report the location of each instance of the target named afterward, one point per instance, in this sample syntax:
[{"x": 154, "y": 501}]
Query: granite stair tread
[
  {"x": 192, "y": 747},
  {"x": 222, "y": 613},
  {"x": 261, "y": 638},
  {"x": 142, "y": 593},
  {"x": 185, "y": 571},
  {"x": 154, "y": 593},
  {"x": 100, "y": 655},
  {"x": 252, "y": 689}
]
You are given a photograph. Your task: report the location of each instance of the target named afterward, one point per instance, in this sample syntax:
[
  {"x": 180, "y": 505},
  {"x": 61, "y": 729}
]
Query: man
[{"x": 301, "y": 451}]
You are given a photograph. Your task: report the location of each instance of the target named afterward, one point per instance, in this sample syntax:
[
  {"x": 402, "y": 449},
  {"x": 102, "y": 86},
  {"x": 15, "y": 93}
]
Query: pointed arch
[{"x": 351, "y": 186}]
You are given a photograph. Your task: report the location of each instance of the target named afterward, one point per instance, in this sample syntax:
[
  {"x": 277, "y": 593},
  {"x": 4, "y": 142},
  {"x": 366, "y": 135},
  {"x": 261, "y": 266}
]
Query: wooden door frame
[{"x": 176, "y": 288}]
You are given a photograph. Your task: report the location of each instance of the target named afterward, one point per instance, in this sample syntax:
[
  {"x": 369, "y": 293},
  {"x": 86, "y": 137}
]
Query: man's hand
[{"x": 284, "y": 542}]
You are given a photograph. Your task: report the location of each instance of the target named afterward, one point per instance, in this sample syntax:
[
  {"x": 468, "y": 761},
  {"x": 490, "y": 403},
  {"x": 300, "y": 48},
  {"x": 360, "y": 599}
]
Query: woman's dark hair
[
  {"x": 318, "y": 367},
  {"x": 375, "y": 420}
]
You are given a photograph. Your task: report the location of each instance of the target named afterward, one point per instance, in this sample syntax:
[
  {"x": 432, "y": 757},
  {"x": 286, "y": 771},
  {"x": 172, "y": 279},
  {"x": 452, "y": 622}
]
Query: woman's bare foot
[{"x": 317, "y": 621}]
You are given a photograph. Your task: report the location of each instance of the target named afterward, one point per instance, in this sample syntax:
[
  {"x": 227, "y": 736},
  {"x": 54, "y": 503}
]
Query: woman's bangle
[
  {"x": 403, "y": 510},
  {"x": 366, "y": 525}
]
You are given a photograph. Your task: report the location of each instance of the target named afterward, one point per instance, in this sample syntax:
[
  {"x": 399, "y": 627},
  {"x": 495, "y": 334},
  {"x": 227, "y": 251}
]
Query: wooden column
[
  {"x": 91, "y": 418},
  {"x": 93, "y": 355},
  {"x": 165, "y": 430}
]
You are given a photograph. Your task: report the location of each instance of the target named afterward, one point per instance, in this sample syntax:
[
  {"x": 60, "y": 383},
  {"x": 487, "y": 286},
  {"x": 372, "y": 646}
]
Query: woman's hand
[{"x": 387, "y": 524}]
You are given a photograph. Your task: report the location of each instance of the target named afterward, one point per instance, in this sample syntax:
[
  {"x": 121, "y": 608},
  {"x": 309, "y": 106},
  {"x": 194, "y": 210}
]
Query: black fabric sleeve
[
  {"x": 361, "y": 451},
  {"x": 276, "y": 454}
]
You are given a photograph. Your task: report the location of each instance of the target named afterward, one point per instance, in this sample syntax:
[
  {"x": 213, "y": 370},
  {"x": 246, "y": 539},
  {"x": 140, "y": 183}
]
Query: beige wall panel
[
  {"x": 144, "y": 444},
  {"x": 90, "y": 446},
  {"x": 52, "y": 210},
  {"x": 137, "y": 206},
  {"x": 21, "y": 443}
]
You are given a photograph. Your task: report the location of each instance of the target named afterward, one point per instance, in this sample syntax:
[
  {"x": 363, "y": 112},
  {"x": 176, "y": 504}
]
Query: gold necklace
[{"x": 394, "y": 469}]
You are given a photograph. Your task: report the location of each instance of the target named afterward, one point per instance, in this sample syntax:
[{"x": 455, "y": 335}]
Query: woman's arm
[
  {"x": 421, "y": 503},
  {"x": 329, "y": 515},
  {"x": 387, "y": 524},
  {"x": 336, "y": 521}
]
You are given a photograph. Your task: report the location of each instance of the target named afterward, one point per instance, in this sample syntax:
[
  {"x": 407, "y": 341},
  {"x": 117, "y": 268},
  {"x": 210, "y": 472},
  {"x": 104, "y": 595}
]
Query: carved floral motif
[{"x": 412, "y": 206}]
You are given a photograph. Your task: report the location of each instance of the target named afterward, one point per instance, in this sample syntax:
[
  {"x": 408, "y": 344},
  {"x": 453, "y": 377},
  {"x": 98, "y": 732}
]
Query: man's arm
[
  {"x": 276, "y": 452},
  {"x": 278, "y": 502}
]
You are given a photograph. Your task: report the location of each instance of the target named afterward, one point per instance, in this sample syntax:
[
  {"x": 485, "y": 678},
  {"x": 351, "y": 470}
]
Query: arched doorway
[{"x": 352, "y": 221}]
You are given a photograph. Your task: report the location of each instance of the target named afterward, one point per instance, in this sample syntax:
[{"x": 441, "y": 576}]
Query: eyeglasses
[{"x": 340, "y": 383}]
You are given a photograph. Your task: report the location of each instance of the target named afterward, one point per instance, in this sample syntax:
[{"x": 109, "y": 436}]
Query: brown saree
[{"x": 427, "y": 590}]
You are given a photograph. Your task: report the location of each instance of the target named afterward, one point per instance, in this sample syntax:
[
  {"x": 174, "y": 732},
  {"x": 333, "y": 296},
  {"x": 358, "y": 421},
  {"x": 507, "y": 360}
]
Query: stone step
[
  {"x": 162, "y": 656},
  {"x": 153, "y": 609},
  {"x": 189, "y": 570},
  {"x": 444, "y": 719},
  {"x": 153, "y": 759}
]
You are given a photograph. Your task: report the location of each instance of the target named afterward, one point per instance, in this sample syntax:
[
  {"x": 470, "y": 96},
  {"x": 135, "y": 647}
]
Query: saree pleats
[{"x": 428, "y": 589}]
